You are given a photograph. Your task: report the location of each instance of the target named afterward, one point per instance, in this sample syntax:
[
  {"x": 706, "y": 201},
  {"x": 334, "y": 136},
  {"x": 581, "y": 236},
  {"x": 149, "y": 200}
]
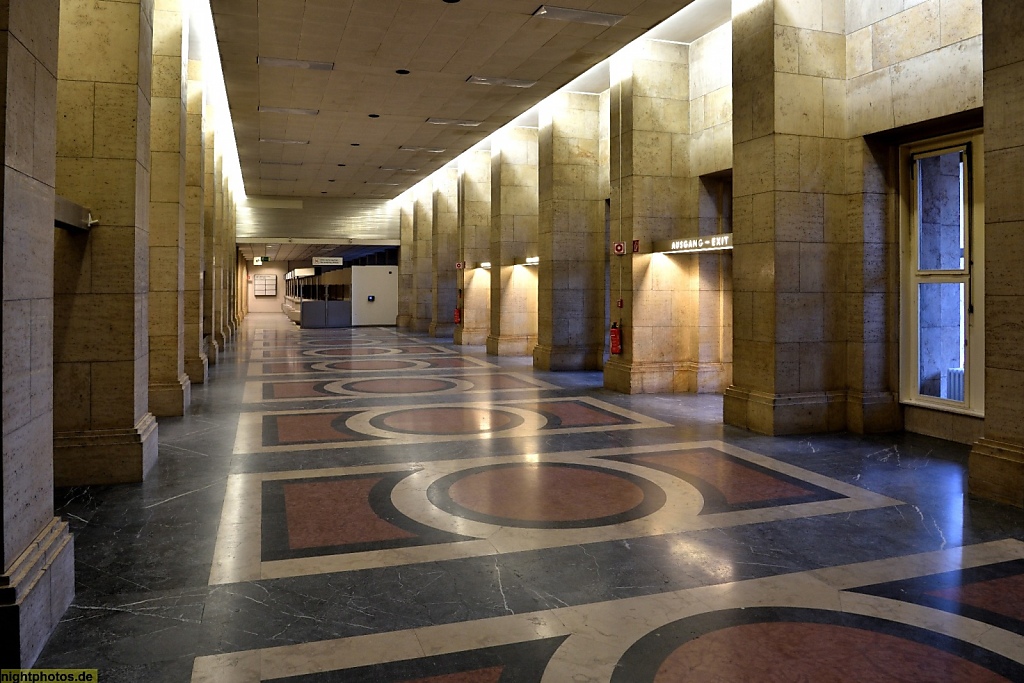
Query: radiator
[{"x": 955, "y": 384}]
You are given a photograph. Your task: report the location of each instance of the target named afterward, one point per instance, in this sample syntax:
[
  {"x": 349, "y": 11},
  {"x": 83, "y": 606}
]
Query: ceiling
[{"x": 347, "y": 154}]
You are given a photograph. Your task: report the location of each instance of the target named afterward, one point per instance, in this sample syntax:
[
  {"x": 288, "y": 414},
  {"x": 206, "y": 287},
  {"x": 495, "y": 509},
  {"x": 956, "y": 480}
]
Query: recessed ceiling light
[
  {"x": 295, "y": 63},
  {"x": 341, "y": 164},
  {"x": 402, "y": 72},
  {"x": 374, "y": 116},
  {"x": 430, "y": 150},
  {"x": 280, "y": 163},
  {"x": 390, "y": 184},
  {"x": 355, "y": 144},
  {"x": 275, "y": 141},
  {"x": 454, "y": 122},
  {"x": 499, "y": 80},
  {"x": 289, "y": 110},
  {"x": 401, "y": 170},
  {"x": 323, "y": 191},
  {"x": 578, "y": 15},
  {"x": 330, "y": 180},
  {"x": 450, "y": 2}
]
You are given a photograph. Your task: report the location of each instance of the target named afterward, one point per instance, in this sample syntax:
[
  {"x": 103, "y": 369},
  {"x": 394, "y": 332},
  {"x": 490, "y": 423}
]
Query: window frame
[{"x": 972, "y": 275}]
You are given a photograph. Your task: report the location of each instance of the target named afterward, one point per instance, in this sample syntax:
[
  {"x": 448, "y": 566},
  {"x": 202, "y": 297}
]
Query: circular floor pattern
[
  {"x": 546, "y": 495},
  {"x": 357, "y": 351},
  {"x": 403, "y": 385},
  {"x": 791, "y": 644},
  {"x": 373, "y": 365},
  {"x": 447, "y": 421}
]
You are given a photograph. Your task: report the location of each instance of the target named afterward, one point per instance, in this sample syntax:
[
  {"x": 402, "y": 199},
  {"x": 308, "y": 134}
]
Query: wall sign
[
  {"x": 328, "y": 261},
  {"x": 693, "y": 244},
  {"x": 264, "y": 285}
]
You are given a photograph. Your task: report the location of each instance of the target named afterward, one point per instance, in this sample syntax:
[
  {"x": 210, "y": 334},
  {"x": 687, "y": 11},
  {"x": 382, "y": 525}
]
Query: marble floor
[{"x": 369, "y": 505}]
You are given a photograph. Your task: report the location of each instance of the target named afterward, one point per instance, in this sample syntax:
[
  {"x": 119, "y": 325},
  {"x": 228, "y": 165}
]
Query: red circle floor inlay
[
  {"x": 787, "y": 651},
  {"x": 361, "y": 351},
  {"x": 447, "y": 421},
  {"x": 546, "y": 493},
  {"x": 373, "y": 365},
  {"x": 399, "y": 386}
]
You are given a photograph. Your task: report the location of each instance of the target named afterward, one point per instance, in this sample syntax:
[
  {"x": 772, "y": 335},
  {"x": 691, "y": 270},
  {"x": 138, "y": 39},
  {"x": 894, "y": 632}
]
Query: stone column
[
  {"x": 103, "y": 430},
  {"x": 37, "y": 551},
  {"x": 219, "y": 265},
  {"x": 649, "y": 109},
  {"x": 570, "y": 236},
  {"x": 514, "y": 217},
  {"x": 789, "y": 373},
  {"x": 474, "y": 246},
  {"x": 169, "y": 386},
  {"x": 711, "y": 342},
  {"x": 444, "y": 251},
  {"x": 196, "y": 362},
  {"x": 406, "y": 274},
  {"x": 996, "y": 465},
  {"x": 423, "y": 280},
  {"x": 231, "y": 259},
  {"x": 210, "y": 293}
]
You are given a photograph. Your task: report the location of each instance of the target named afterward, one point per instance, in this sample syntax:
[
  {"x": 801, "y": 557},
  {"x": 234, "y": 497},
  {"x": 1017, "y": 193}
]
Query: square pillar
[
  {"x": 514, "y": 217},
  {"x": 169, "y": 385},
  {"x": 474, "y": 246},
  {"x": 571, "y": 240},
  {"x": 104, "y": 432},
  {"x": 37, "y": 579},
  {"x": 406, "y": 274},
  {"x": 219, "y": 266},
  {"x": 789, "y": 345},
  {"x": 211, "y": 295},
  {"x": 423, "y": 258},
  {"x": 444, "y": 251},
  {"x": 196, "y": 361},
  {"x": 996, "y": 465},
  {"x": 649, "y": 110}
]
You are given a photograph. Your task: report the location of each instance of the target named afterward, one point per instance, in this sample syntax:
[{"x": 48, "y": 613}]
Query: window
[{"x": 942, "y": 300}]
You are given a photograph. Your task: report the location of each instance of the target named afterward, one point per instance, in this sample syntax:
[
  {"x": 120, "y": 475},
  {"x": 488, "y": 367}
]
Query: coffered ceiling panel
[{"x": 360, "y": 112}]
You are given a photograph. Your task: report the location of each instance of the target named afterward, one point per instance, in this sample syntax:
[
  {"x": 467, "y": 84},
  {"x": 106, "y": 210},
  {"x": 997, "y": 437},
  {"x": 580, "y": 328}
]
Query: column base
[
  {"x": 221, "y": 338},
  {"x": 197, "y": 368},
  {"x": 995, "y": 471},
  {"x": 873, "y": 413},
  {"x": 441, "y": 330},
  {"x": 105, "y": 456},
  {"x": 779, "y": 414},
  {"x": 567, "y": 358},
  {"x": 511, "y": 345},
  {"x": 34, "y": 594},
  {"x": 630, "y": 377},
  {"x": 419, "y": 325},
  {"x": 403, "y": 322},
  {"x": 170, "y": 400},
  {"x": 470, "y": 337},
  {"x": 212, "y": 349}
]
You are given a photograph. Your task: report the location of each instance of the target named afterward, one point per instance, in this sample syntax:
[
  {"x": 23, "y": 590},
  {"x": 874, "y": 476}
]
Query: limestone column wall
[
  {"x": 474, "y": 247},
  {"x": 196, "y": 361},
  {"x": 103, "y": 430},
  {"x": 444, "y": 251},
  {"x": 649, "y": 109},
  {"x": 514, "y": 222},
  {"x": 233, "y": 267},
  {"x": 406, "y": 274},
  {"x": 789, "y": 373},
  {"x": 219, "y": 265},
  {"x": 169, "y": 386},
  {"x": 423, "y": 278},
  {"x": 996, "y": 465},
  {"x": 36, "y": 549},
  {"x": 570, "y": 236},
  {"x": 709, "y": 199},
  {"x": 211, "y": 295}
]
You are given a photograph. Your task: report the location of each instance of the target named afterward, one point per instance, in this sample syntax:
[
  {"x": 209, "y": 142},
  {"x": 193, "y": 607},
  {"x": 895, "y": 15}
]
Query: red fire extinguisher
[
  {"x": 458, "y": 316},
  {"x": 616, "y": 339}
]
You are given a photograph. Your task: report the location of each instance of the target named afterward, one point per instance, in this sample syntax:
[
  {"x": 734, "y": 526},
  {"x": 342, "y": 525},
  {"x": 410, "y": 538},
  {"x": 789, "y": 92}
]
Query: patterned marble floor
[{"x": 367, "y": 505}]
